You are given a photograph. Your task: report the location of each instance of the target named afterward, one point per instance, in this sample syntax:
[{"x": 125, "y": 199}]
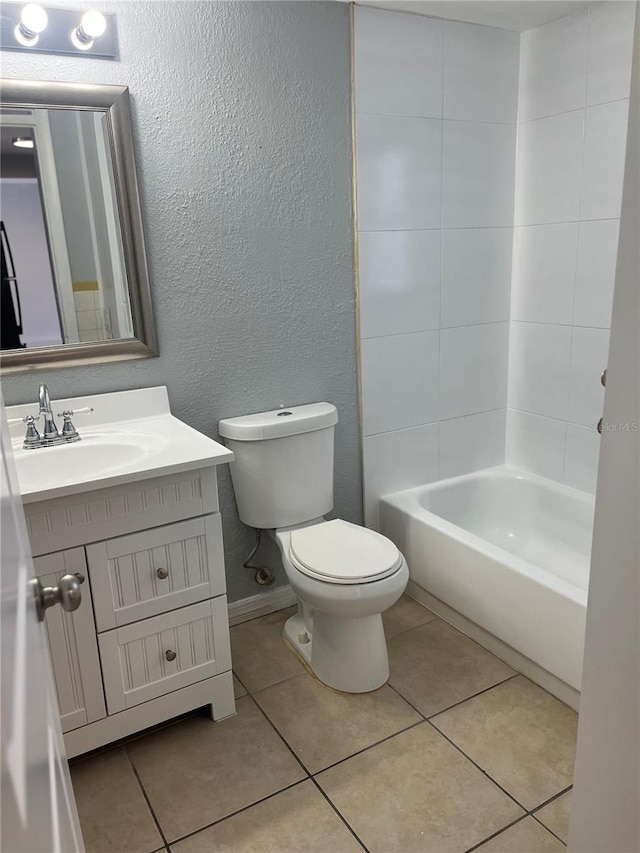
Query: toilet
[{"x": 345, "y": 576}]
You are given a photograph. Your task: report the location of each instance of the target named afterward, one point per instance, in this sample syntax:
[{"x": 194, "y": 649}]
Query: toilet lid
[{"x": 341, "y": 552}]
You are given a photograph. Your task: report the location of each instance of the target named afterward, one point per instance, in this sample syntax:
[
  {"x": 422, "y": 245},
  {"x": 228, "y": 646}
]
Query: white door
[{"x": 36, "y": 798}]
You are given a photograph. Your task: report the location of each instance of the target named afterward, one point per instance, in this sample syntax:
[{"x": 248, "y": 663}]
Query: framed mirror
[{"x": 75, "y": 283}]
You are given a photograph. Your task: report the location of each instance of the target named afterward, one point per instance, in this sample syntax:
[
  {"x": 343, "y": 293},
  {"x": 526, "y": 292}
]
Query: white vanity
[{"x": 132, "y": 510}]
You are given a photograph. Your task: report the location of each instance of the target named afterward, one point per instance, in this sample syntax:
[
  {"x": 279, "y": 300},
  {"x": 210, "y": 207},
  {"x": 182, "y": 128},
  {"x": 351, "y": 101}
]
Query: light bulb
[
  {"x": 92, "y": 26},
  {"x": 93, "y": 23},
  {"x": 22, "y": 142},
  {"x": 33, "y": 20}
]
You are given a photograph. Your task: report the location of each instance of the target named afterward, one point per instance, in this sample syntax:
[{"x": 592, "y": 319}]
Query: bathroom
[{"x": 411, "y": 213}]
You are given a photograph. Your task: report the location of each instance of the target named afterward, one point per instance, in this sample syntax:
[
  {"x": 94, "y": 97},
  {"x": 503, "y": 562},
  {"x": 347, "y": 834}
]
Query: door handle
[{"x": 67, "y": 594}]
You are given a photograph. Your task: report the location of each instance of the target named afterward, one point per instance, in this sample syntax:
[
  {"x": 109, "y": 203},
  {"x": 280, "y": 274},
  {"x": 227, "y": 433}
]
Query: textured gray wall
[{"x": 242, "y": 126}]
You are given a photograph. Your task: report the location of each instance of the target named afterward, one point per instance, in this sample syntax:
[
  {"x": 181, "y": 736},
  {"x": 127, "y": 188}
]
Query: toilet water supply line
[{"x": 264, "y": 576}]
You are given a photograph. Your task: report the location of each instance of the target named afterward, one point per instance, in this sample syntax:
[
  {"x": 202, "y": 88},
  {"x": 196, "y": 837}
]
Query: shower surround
[{"x": 489, "y": 180}]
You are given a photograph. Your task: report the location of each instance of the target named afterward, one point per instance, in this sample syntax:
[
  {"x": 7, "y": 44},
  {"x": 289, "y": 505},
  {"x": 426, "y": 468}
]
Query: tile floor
[{"x": 457, "y": 753}]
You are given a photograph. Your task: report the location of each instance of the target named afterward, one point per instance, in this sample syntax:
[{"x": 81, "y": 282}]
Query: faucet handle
[
  {"x": 32, "y": 437},
  {"x": 69, "y": 432},
  {"x": 27, "y": 419},
  {"x": 86, "y": 410}
]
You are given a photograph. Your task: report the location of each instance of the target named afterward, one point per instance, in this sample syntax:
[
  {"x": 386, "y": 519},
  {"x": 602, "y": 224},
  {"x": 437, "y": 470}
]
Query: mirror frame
[{"x": 114, "y": 100}]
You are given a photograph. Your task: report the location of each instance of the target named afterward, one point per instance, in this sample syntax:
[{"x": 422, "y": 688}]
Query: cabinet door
[
  {"x": 72, "y": 644},
  {"x": 138, "y": 576},
  {"x": 156, "y": 656}
]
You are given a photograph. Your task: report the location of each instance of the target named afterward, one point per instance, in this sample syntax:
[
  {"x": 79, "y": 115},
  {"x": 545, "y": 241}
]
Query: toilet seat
[{"x": 343, "y": 553}]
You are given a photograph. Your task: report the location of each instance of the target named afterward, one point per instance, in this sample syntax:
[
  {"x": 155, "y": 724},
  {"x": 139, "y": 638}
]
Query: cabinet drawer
[
  {"x": 150, "y": 658},
  {"x": 138, "y": 576},
  {"x": 72, "y": 644}
]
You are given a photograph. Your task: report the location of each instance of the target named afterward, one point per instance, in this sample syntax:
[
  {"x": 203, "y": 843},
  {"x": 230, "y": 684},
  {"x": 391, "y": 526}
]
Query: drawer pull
[
  {"x": 170, "y": 655},
  {"x": 162, "y": 574}
]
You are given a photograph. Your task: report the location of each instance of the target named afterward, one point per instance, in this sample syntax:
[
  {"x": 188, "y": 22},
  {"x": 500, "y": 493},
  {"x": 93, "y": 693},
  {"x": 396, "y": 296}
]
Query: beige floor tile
[
  {"x": 238, "y": 689},
  {"x": 260, "y": 657},
  {"x": 294, "y": 820},
  {"x": 198, "y": 771},
  {"x": 113, "y": 812},
  {"x": 522, "y": 736},
  {"x": 435, "y": 666},
  {"x": 323, "y": 726},
  {"x": 527, "y": 836},
  {"x": 404, "y": 615},
  {"x": 416, "y": 792},
  {"x": 556, "y": 816}
]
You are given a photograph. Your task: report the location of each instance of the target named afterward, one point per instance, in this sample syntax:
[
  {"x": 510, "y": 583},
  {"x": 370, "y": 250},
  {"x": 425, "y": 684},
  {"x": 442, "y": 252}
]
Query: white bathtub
[{"x": 509, "y": 551}]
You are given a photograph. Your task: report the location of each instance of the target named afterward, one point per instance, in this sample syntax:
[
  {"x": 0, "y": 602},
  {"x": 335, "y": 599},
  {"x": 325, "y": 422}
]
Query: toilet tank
[{"x": 283, "y": 468}]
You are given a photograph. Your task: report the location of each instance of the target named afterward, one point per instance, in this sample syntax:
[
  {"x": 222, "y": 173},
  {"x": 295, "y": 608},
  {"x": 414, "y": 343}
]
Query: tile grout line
[
  {"x": 309, "y": 776},
  {"x": 236, "y": 812},
  {"x": 147, "y": 800},
  {"x": 478, "y": 767},
  {"x": 537, "y": 819},
  {"x": 366, "y": 748},
  {"x": 497, "y": 833},
  {"x": 479, "y": 693},
  {"x": 339, "y": 814}
]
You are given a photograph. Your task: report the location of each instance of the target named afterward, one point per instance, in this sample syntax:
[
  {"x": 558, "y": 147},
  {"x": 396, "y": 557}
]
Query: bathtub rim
[{"x": 407, "y": 501}]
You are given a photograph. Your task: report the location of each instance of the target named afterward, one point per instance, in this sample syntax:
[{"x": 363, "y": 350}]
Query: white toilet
[{"x": 344, "y": 575}]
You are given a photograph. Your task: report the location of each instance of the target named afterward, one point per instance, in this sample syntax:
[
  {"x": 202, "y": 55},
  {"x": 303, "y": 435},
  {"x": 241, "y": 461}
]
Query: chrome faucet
[
  {"x": 50, "y": 432},
  {"x": 50, "y": 435}
]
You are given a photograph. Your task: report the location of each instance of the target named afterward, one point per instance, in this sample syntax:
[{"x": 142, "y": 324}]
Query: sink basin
[
  {"x": 125, "y": 437},
  {"x": 93, "y": 457}
]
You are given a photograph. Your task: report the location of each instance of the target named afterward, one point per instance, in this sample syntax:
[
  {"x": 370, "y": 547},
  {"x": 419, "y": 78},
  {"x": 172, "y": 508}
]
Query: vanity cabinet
[{"x": 150, "y": 639}]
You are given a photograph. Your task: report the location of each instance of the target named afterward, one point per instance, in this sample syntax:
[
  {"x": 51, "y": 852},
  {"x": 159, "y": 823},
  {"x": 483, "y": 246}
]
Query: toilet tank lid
[{"x": 280, "y": 422}]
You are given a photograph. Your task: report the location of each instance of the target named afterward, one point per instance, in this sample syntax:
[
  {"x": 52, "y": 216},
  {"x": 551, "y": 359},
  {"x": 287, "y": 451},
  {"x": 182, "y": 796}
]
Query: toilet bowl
[{"x": 344, "y": 575}]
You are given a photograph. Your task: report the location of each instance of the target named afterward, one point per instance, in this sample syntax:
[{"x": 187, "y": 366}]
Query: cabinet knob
[
  {"x": 162, "y": 574},
  {"x": 170, "y": 655},
  {"x": 80, "y": 577}
]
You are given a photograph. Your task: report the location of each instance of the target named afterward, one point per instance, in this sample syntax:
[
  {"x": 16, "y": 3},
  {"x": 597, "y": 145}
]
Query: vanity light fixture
[
  {"x": 37, "y": 28},
  {"x": 22, "y": 142},
  {"x": 33, "y": 21},
  {"x": 92, "y": 26}
]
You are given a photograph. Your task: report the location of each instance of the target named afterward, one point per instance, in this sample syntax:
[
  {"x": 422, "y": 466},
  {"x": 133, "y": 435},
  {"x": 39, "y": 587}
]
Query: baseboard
[
  {"x": 549, "y": 682},
  {"x": 261, "y": 604}
]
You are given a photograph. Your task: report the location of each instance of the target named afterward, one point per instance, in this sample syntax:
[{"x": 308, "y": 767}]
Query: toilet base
[{"x": 347, "y": 654}]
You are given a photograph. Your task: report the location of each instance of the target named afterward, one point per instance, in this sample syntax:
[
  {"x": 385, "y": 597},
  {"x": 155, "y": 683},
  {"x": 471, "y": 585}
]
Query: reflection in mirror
[
  {"x": 63, "y": 273},
  {"x": 75, "y": 283}
]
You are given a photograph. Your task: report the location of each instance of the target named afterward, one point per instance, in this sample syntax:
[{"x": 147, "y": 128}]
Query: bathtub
[{"x": 509, "y": 552}]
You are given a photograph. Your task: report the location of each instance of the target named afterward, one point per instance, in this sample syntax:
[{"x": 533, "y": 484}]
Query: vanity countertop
[{"x": 129, "y": 436}]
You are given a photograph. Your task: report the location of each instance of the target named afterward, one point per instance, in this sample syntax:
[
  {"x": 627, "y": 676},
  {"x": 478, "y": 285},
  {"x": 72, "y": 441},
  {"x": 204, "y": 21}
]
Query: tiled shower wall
[
  {"x": 436, "y": 109},
  {"x": 574, "y": 88}
]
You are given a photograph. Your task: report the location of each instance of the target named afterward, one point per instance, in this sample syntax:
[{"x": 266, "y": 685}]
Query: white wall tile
[
  {"x": 399, "y": 172},
  {"x": 398, "y": 63},
  {"x": 549, "y": 169},
  {"x": 398, "y": 460},
  {"x": 476, "y": 275},
  {"x": 581, "y": 460},
  {"x": 536, "y": 444},
  {"x": 539, "y": 358},
  {"x": 553, "y": 67},
  {"x": 604, "y": 155},
  {"x": 596, "y": 271},
  {"x": 544, "y": 268},
  {"x": 473, "y": 369},
  {"x": 480, "y": 73},
  {"x": 477, "y": 174},
  {"x": 471, "y": 443},
  {"x": 610, "y": 51},
  {"x": 399, "y": 282},
  {"x": 399, "y": 381},
  {"x": 589, "y": 356}
]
